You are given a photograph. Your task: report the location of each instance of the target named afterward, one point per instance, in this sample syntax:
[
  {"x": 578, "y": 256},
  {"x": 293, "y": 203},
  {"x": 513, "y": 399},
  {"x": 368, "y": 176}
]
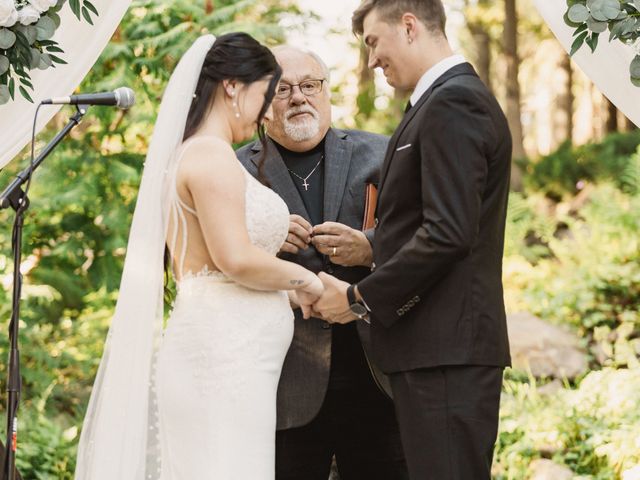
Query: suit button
[
  {"x": 400, "y": 312},
  {"x": 373, "y": 266},
  {"x": 416, "y": 299},
  {"x": 326, "y": 325},
  {"x": 375, "y": 221},
  {"x": 329, "y": 269}
]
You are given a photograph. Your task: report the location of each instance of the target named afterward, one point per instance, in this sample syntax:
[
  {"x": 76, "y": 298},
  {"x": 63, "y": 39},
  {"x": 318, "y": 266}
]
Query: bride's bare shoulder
[
  {"x": 208, "y": 161},
  {"x": 201, "y": 155}
]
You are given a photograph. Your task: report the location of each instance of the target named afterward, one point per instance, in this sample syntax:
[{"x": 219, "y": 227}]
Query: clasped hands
[
  {"x": 345, "y": 246},
  {"x": 332, "y": 305}
]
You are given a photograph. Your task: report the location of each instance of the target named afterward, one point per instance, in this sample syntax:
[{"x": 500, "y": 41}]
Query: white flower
[
  {"x": 8, "y": 13},
  {"x": 42, "y": 5},
  {"x": 28, "y": 15}
]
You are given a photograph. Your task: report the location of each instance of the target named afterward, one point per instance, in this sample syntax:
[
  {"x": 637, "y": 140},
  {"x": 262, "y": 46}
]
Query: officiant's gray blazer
[{"x": 352, "y": 159}]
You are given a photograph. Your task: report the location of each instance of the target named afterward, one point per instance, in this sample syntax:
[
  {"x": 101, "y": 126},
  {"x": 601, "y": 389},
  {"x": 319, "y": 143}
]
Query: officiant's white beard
[{"x": 301, "y": 131}]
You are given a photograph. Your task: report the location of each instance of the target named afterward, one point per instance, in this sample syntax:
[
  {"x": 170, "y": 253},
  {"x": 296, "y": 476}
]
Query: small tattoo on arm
[{"x": 297, "y": 282}]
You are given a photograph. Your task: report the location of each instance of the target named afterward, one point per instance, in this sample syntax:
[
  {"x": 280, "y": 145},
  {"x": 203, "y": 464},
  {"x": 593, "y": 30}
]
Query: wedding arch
[
  {"x": 82, "y": 44},
  {"x": 607, "y": 67}
]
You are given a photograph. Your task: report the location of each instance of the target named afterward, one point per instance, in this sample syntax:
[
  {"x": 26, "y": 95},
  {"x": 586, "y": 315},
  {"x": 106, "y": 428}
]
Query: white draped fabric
[
  {"x": 82, "y": 44},
  {"x": 607, "y": 68}
]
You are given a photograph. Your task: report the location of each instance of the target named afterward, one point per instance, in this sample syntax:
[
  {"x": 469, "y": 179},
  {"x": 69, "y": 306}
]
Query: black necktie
[{"x": 408, "y": 107}]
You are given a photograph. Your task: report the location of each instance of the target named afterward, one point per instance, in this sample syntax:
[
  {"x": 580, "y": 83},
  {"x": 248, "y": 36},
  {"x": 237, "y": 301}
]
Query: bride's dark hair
[{"x": 234, "y": 56}]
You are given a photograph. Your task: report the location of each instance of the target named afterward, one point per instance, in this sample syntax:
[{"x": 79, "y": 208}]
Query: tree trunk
[
  {"x": 611, "y": 123},
  {"x": 567, "y": 99},
  {"x": 628, "y": 125},
  {"x": 366, "y": 85},
  {"x": 482, "y": 41},
  {"x": 513, "y": 89}
]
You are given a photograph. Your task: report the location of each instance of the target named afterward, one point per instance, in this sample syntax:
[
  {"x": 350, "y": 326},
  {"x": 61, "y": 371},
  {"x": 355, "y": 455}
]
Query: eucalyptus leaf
[
  {"x": 580, "y": 29},
  {"x": 634, "y": 68},
  {"x": 5, "y": 96},
  {"x": 578, "y": 13},
  {"x": 56, "y": 18},
  {"x": 630, "y": 24},
  {"x": 596, "y": 26},
  {"x": 4, "y": 64},
  {"x": 29, "y": 32},
  {"x": 592, "y": 41},
  {"x": 603, "y": 10},
  {"x": 45, "y": 61},
  {"x": 45, "y": 27},
  {"x": 25, "y": 94},
  {"x": 7, "y": 38},
  {"x": 35, "y": 58},
  {"x": 565, "y": 17},
  {"x": 622, "y": 15},
  {"x": 577, "y": 43},
  {"x": 616, "y": 30},
  {"x": 635, "y": 81},
  {"x": 611, "y": 9}
]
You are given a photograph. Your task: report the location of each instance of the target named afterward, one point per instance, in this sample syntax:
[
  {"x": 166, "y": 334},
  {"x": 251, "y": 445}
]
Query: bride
[{"x": 197, "y": 401}]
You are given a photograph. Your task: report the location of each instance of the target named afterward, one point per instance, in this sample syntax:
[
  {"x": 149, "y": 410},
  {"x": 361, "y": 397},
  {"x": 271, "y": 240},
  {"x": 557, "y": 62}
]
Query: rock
[
  {"x": 550, "y": 388},
  {"x": 543, "y": 469},
  {"x": 545, "y": 349}
]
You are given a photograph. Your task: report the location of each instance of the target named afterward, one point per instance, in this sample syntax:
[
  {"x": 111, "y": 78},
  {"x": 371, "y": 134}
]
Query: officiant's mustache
[{"x": 293, "y": 111}]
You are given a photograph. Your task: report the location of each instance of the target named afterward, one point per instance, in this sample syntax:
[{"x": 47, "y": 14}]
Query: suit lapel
[
  {"x": 276, "y": 173},
  {"x": 462, "y": 69},
  {"x": 337, "y": 158}
]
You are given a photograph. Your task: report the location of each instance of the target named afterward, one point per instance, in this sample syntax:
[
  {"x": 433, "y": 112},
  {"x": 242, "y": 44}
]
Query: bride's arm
[{"x": 216, "y": 182}]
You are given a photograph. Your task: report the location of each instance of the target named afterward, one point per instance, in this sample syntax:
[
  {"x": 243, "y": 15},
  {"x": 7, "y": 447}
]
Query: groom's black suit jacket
[{"x": 436, "y": 293}]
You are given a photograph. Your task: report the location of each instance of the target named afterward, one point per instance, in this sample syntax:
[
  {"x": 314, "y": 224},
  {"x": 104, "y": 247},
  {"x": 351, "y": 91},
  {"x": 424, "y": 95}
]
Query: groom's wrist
[{"x": 359, "y": 297}]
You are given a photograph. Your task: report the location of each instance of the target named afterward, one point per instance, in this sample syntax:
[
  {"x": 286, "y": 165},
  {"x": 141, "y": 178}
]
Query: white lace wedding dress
[{"x": 220, "y": 360}]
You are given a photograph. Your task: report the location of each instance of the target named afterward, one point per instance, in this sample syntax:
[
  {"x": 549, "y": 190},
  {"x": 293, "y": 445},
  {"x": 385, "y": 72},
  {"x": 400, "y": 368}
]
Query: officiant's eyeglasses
[{"x": 308, "y": 88}]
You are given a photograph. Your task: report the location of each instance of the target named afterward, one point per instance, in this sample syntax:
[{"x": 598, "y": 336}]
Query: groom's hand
[
  {"x": 333, "y": 304},
  {"x": 345, "y": 246}
]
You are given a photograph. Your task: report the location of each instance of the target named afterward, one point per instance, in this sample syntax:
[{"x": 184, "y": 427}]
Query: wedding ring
[{"x": 333, "y": 252}]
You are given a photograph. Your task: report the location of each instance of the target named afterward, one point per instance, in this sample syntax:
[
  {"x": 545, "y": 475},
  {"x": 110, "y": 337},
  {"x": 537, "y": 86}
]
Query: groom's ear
[{"x": 410, "y": 25}]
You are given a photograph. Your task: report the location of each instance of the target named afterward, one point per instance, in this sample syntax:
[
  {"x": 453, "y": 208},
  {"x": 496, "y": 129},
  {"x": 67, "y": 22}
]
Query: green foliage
[
  {"x": 47, "y": 448},
  {"x": 565, "y": 171},
  {"x": 590, "y": 18},
  {"x": 592, "y": 429},
  {"x": 590, "y": 276}
]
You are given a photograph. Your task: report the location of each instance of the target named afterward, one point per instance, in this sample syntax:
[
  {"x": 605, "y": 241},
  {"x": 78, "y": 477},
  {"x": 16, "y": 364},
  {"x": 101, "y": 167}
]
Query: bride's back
[{"x": 210, "y": 160}]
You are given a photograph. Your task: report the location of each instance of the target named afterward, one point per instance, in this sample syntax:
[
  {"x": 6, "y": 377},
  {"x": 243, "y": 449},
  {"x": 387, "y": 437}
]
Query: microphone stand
[{"x": 14, "y": 197}]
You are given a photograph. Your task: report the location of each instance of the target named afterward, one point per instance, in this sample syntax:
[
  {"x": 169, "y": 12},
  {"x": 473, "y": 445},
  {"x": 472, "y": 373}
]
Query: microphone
[{"x": 122, "y": 97}]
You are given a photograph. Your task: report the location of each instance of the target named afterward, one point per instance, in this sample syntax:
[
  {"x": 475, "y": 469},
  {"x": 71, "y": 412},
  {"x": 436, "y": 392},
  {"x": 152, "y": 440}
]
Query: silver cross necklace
[{"x": 304, "y": 179}]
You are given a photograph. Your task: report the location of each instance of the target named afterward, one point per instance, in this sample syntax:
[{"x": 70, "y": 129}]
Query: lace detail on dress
[{"x": 267, "y": 216}]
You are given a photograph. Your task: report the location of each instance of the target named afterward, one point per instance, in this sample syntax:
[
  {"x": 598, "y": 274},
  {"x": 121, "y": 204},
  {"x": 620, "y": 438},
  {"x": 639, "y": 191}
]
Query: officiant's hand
[
  {"x": 333, "y": 304},
  {"x": 345, "y": 246},
  {"x": 299, "y": 235}
]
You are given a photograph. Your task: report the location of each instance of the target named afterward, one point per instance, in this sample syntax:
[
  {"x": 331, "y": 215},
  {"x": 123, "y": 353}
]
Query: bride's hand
[{"x": 309, "y": 294}]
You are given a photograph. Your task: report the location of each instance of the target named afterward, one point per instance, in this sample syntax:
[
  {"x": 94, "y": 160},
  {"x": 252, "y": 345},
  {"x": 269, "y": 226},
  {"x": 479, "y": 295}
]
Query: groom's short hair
[{"x": 429, "y": 12}]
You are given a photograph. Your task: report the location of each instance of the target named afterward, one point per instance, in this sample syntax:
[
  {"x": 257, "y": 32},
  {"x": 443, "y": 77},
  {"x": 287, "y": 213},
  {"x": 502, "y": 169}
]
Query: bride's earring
[{"x": 235, "y": 105}]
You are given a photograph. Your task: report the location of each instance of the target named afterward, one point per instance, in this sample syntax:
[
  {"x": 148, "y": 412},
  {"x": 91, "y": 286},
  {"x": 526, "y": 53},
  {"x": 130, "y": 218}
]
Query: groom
[
  {"x": 329, "y": 402},
  {"x": 435, "y": 298}
]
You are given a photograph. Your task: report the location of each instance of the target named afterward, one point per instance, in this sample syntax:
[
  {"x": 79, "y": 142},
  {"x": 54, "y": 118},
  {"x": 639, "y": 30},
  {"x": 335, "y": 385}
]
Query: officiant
[{"x": 331, "y": 398}]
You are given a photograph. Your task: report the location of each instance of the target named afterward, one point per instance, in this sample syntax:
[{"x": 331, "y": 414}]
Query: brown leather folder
[{"x": 370, "y": 201}]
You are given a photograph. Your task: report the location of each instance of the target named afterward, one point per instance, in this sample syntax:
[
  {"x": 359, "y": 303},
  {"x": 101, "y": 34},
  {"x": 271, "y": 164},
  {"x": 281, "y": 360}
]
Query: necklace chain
[{"x": 304, "y": 179}]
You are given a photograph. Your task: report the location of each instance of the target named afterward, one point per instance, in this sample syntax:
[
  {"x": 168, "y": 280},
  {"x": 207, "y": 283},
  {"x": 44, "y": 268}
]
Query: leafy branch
[
  {"x": 26, "y": 44},
  {"x": 590, "y": 18}
]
